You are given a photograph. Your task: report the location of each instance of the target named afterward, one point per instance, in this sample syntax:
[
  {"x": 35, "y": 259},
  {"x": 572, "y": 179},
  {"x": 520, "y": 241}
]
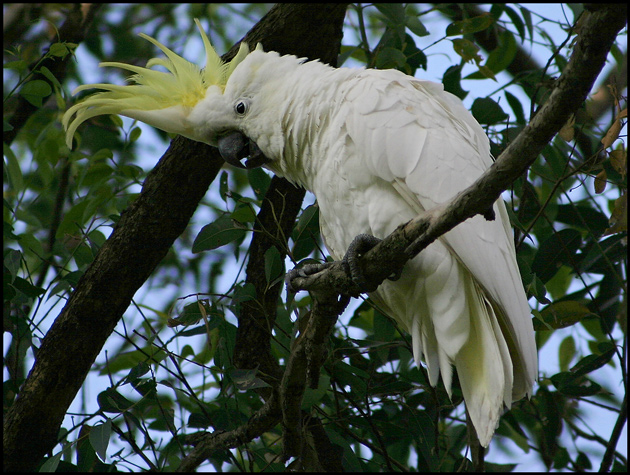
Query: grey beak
[{"x": 235, "y": 146}]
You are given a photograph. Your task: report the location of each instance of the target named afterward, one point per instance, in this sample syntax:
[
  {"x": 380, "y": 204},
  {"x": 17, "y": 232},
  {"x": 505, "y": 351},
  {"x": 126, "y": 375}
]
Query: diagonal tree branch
[{"x": 609, "y": 455}]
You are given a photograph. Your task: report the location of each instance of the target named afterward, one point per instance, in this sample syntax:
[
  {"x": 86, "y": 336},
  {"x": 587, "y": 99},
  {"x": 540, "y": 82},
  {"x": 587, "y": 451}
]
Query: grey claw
[
  {"x": 304, "y": 271},
  {"x": 359, "y": 246}
]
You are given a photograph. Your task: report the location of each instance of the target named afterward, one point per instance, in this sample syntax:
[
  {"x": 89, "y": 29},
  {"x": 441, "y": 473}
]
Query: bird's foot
[
  {"x": 304, "y": 271},
  {"x": 361, "y": 244}
]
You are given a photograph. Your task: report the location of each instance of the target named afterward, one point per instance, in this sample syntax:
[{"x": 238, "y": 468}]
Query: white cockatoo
[{"x": 376, "y": 148}]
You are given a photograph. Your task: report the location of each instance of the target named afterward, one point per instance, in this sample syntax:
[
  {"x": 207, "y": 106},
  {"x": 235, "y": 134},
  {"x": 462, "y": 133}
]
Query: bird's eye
[{"x": 241, "y": 107}]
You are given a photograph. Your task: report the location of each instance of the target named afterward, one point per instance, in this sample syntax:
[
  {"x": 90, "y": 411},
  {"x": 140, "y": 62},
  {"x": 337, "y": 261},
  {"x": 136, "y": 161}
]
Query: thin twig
[{"x": 609, "y": 455}]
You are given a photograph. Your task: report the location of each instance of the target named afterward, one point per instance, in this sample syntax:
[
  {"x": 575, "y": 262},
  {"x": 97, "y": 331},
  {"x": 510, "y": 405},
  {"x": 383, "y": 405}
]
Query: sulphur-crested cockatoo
[{"x": 377, "y": 148}]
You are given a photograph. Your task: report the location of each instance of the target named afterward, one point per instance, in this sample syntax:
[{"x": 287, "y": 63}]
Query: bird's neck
[{"x": 308, "y": 120}]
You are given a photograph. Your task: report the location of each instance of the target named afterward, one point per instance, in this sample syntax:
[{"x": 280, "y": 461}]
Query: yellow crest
[{"x": 179, "y": 89}]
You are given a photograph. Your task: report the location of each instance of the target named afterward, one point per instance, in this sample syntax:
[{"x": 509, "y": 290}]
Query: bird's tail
[
  {"x": 463, "y": 330},
  {"x": 484, "y": 365},
  {"x": 453, "y": 323}
]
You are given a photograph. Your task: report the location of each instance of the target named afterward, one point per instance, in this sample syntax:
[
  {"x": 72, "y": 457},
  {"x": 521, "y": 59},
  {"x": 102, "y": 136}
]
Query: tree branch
[
  {"x": 262, "y": 421},
  {"x": 611, "y": 447},
  {"x": 307, "y": 355}
]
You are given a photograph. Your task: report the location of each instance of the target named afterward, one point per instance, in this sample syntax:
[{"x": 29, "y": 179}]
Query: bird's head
[{"x": 206, "y": 105}]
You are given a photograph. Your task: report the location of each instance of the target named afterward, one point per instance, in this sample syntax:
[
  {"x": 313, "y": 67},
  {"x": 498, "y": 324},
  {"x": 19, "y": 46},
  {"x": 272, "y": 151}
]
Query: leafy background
[{"x": 167, "y": 370}]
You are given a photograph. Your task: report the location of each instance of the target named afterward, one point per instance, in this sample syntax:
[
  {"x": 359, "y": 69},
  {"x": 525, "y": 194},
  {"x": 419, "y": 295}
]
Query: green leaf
[
  {"x": 19, "y": 65},
  {"x": 566, "y": 352},
  {"x": 592, "y": 362},
  {"x": 383, "y": 328},
  {"x": 192, "y": 313},
  {"x": 13, "y": 170},
  {"x": 12, "y": 260},
  {"x": 135, "y": 134},
  {"x": 558, "y": 285},
  {"x": 50, "y": 76},
  {"x": 415, "y": 57},
  {"x": 27, "y": 288},
  {"x": 96, "y": 173},
  {"x": 130, "y": 359},
  {"x": 147, "y": 388},
  {"x": 468, "y": 50},
  {"x": 415, "y": 25},
  {"x": 219, "y": 233},
  {"x": 560, "y": 248},
  {"x": 394, "y": 13},
  {"x": 60, "y": 50},
  {"x": 351, "y": 462},
  {"x": 223, "y": 185},
  {"x": 517, "y": 107},
  {"x": 65, "y": 283},
  {"x": 112, "y": 401},
  {"x": 470, "y": 25},
  {"x": 351, "y": 376},
  {"x": 487, "y": 111},
  {"x": 245, "y": 379},
  {"x": 138, "y": 371},
  {"x": 305, "y": 233},
  {"x": 273, "y": 265},
  {"x": 575, "y": 386},
  {"x": 244, "y": 293},
  {"x": 501, "y": 57},
  {"x": 561, "y": 315},
  {"x": 73, "y": 220},
  {"x": 603, "y": 254},
  {"x": 452, "y": 81},
  {"x": 99, "y": 438},
  {"x": 583, "y": 217},
  {"x": 314, "y": 396},
  {"x": 51, "y": 463},
  {"x": 527, "y": 17},
  {"x": 243, "y": 213},
  {"x": 6, "y": 126},
  {"x": 516, "y": 21},
  {"x": 389, "y": 58},
  {"x": 259, "y": 180},
  {"x": 35, "y": 91}
]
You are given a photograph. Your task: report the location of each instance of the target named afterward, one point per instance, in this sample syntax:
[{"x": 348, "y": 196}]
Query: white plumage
[{"x": 378, "y": 148}]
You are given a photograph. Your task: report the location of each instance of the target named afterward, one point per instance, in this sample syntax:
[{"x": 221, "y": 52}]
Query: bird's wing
[{"x": 425, "y": 141}]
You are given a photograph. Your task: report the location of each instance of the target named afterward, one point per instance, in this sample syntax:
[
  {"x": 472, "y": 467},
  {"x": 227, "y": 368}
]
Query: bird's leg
[{"x": 361, "y": 244}]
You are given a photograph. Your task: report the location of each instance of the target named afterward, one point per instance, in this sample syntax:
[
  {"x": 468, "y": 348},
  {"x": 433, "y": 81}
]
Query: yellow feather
[{"x": 178, "y": 90}]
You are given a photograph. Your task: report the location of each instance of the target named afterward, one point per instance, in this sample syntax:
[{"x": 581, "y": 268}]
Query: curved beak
[{"x": 235, "y": 146}]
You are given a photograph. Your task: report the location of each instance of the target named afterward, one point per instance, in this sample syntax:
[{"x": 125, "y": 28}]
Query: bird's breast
[{"x": 354, "y": 201}]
